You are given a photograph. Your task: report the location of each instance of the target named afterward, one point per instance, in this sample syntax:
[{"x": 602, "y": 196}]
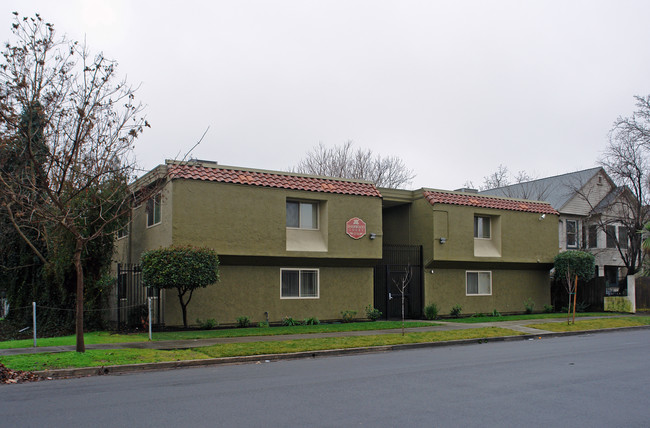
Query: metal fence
[{"x": 132, "y": 309}]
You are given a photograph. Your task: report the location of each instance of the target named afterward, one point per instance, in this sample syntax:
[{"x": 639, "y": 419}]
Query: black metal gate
[
  {"x": 132, "y": 305},
  {"x": 389, "y": 274}
]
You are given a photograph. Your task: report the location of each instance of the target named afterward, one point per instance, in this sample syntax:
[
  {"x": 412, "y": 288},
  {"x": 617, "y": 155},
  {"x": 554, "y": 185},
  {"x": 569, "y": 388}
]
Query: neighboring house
[
  {"x": 281, "y": 240},
  {"x": 307, "y": 246},
  {"x": 480, "y": 252},
  {"x": 590, "y": 207}
]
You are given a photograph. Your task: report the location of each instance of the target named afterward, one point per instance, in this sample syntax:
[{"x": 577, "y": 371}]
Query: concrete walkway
[{"x": 518, "y": 325}]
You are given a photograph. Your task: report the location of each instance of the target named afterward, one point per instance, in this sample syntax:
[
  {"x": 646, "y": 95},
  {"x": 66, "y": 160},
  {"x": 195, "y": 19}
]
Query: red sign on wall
[{"x": 355, "y": 228}]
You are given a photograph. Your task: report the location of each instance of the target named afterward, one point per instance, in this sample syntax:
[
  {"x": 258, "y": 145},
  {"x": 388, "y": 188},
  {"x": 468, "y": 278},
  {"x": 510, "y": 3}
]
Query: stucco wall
[
  {"x": 253, "y": 290},
  {"x": 245, "y": 220},
  {"x": 510, "y": 288},
  {"x": 522, "y": 237}
]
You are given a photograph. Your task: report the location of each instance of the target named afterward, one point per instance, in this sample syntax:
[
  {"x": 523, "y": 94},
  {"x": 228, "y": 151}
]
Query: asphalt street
[{"x": 597, "y": 380}]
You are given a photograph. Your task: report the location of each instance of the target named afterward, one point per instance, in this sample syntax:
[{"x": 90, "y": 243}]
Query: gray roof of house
[{"x": 556, "y": 190}]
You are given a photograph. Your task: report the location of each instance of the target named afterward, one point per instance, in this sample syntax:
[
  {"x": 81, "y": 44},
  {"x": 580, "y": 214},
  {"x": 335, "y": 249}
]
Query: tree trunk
[
  {"x": 183, "y": 307},
  {"x": 79, "y": 321}
]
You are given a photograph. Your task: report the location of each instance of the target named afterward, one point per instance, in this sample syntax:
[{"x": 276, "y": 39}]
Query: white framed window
[
  {"x": 572, "y": 234},
  {"x": 153, "y": 210},
  {"x": 299, "y": 283},
  {"x": 622, "y": 237},
  {"x": 478, "y": 283},
  {"x": 481, "y": 227},
  {"x": 123, "y": 231},
  {"x": 302, "y": 215}
]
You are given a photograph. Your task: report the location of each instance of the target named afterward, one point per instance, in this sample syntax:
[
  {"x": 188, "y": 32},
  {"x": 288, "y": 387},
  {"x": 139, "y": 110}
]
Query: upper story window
[
  {"x": 572, "y": 234},
  {"x": 481, "y": 227},
  {"x": 479, "y": 283},
  {"x": 622, "y": 237},
  {"x": 299, "y": 283},
  {"x": 153, "y": 210},
  {"x": 610, "y": 231},
  {"x": 123, "y": 231},
  {"x": 593, "y": 236},
  {"x": 302, "y": 215}
]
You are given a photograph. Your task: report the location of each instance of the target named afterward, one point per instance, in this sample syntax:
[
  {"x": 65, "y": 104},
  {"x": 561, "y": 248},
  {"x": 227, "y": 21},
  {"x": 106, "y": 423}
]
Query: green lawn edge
[
  {"x": 113, "y": 357},
  {"x": 100, "y": 337},
  {"x": 597, "y": 324},
  {"x": 475, "y": 319}
]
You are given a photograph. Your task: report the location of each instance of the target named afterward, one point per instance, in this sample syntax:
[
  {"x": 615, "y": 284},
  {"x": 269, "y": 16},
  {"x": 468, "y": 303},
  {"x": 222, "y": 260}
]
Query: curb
[{"x": 257, "y": 359}]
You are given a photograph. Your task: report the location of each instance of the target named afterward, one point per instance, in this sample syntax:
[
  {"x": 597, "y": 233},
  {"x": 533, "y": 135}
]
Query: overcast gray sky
[{"x": 454, "y": 88}]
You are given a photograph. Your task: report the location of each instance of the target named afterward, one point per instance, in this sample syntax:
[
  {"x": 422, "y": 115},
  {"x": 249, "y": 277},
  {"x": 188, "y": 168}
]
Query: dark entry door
[{"x": 390, "y": 275}]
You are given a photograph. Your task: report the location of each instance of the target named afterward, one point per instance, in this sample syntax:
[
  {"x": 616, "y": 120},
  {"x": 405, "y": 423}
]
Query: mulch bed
[{"x": 16, "y": 376}]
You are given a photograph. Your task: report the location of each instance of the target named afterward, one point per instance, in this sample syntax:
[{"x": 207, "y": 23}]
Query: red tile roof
[
  {"x": 473, "y": 200},
  {"x": 273, "y": 179}
]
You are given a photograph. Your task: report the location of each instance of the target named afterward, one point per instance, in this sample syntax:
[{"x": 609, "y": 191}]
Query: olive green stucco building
[{"x": 306, "y": 246}]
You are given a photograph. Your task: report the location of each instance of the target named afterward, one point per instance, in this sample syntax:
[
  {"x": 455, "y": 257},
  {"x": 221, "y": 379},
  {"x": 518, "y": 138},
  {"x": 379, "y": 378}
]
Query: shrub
[
  {"x": 289, "y": 321},
  {"x": 478, "y": 315},
  {"x": 495, "y": 313},
  {"x": 311, "y": 321},
  {"x": 348, "y": 316},
  {"x": 529, "y": 305},
  {"x": 243, "y": 321},
  {"x": 372, "y": 313},
  {"x": 548, "y": 309},
  {"x": 456, "y": 310},
  {"x": 263, "y": 324},
  {"x": 431, "y": 311},
  {"x": 208, "y": 324}
]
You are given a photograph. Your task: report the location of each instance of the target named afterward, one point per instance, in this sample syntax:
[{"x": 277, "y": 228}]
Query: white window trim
[
  {"x": 300, "y": 270},
  {"x": 159, "y": 196},
  {"x": 315, "y": 203},
  {"x": 126, "y": 232},
  {"x": 566, "y": 233},
  {"x": 490, "y": 223},
  {"x": 478, "y": 271}
]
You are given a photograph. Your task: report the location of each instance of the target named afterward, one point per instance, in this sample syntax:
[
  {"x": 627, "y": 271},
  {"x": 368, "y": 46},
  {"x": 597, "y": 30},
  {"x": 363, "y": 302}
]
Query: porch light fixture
[
  {"x": 443, "y": 240},
  {"x": 542, "y": 217}
]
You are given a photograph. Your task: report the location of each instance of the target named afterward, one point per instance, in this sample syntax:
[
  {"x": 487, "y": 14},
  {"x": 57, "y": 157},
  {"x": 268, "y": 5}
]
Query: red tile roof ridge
[
  {"x": 482, "y": 201},
  {"x": 274, "y": 179}
]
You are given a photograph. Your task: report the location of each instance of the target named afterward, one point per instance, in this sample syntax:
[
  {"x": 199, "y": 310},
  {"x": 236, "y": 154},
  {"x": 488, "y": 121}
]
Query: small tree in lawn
[
  {"x": 401, "y": 283},
  {"x": 183, "y": 268},
  {"x": 571, "y": 266}
]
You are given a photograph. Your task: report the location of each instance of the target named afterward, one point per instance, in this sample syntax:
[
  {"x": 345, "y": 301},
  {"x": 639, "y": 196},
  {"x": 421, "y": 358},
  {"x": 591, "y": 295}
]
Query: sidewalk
[{"x": 518, "y": 325}]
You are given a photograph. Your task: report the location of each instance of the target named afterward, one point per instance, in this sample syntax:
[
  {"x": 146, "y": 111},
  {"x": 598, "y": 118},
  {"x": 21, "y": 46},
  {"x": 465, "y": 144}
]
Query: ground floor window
[
  {"x": 299, "y": 283},
  {"x": 479, "y": 283}
]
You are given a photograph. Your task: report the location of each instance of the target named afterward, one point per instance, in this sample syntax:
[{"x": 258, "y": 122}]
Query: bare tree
[
  {"x": 636, "y": 127},
  {"x": 401, "y": 284},
  {"x": 72, "y": 125},
  {"x": 498, "y": 178},
  {"x": 626, "y": 161},
  {"x": 360, "y": 164}
]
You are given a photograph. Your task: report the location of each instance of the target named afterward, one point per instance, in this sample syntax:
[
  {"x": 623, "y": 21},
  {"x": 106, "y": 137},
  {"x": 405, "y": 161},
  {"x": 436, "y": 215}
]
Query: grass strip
[
  {"x": 597, "y": 324},
  {"x": 98, "y": 358},
  {"x": 479, "y": 319},
  {"x": 92, "y": 338}
]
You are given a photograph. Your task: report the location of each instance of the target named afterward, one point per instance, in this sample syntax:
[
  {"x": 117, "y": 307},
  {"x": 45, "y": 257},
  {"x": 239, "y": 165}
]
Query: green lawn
[
  {"x": 98, "y": 358},
  {"x": 107, "y": 337},
  {"x": 473, "y": 319},
  {"x": 596, "y": 324}
]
